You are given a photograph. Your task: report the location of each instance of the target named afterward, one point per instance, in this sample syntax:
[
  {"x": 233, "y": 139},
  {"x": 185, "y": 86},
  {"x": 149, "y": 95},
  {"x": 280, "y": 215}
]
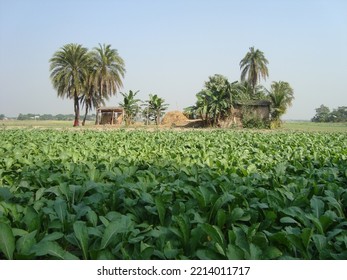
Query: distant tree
[
  {"x": 322, "y": 114},
  {"x": 130, "y": 106},
  {"x": 155, "y": 107},
  {"x": 281, "y": 96},
  {"x": 339, "y": 114},
  {"x": 47, "y": 117},
  {"x": 69, "y": 71},
  {"x": 253, "y": 67},
  {"x": 2, "y": 116}
]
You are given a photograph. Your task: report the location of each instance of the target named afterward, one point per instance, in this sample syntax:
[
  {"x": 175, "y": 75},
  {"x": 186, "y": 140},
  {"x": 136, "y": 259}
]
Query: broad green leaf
[
  {"x": 317, "y": 206},
  {"x": 105, "y": 255},
  {"x": 51, "y": 248},
  {"x": 18, "y": 232},
  {"x": 288, "y": 220},
  {"x": 207, "y": 254},
  {"x": 104, "y": 221},
  {"x": 123, "y": 225},
  {"x": 219, "y": 203},
  {"x": 320, "y": 241},
  {"x": 53, "y": 236},
  {"x": 5, "y": 194},
  {"x": 214, "y": 233},
  {"x": 335, "y": 204},
  {"x": 234, "y": 253},
  {"x": 236, "y": 214},
  {"x": 39, "y": 193},
  {"x": 24, "y": 243},
  {"x": 272, "y": 253},
  {"x": 81, "y": 233},
  {"x": 255, "y": 252},
  {"x": 7, "y": 241},
  {"x": 170, "y": 251},
  {"x": 316, "y": 222},
  {"x": 183, "y": 225},
  {"x": 306, "y": 236},
  {"x": 31, "y": 219},
  {"x": 92, "y": 217},
  {"x": 60, "y": 208},
  {"x": 241, "y": 239},
  {"x": 161, "y": 209}
]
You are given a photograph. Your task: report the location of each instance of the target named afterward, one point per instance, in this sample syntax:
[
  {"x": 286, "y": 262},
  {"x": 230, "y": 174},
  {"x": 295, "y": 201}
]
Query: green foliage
[
  {"x": 254, "y": 66},
  {"x": 281, "y": 96},
  {"x": 87, "y": 77},
  {"x": 214, "y": 101},
  {"x": 323, "y": 114},
  {"x": 130, "y": 106},
  {"x": 154, "y": 109},
  {"x": 166, "y": 195}
]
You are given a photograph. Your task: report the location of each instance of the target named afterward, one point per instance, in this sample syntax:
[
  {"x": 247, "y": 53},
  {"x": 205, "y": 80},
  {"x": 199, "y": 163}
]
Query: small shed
[
  {"x": 109, "y": 115},
  {"x": 260, "y": 108},
  {"x": 254, "y": 108}
]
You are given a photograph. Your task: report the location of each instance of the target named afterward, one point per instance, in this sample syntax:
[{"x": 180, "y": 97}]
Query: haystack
[{"x": 174, "y": 118}]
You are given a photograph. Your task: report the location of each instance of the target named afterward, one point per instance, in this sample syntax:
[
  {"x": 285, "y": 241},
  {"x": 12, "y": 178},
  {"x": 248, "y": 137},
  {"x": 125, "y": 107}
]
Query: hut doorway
[{"x": 109, "y": 115}]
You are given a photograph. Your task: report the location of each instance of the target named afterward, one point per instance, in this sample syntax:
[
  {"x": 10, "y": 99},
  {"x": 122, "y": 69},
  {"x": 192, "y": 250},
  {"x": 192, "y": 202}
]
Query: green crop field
[{"x": 138, "y": 194}]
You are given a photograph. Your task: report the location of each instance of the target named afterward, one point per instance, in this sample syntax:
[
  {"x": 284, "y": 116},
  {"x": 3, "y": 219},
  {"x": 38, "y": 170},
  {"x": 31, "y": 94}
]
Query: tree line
[
  {"x": 323, "y": 114},
  {"x": 50, "y": 117},
  {"x": 218, "y": 97},
  {"x": 90, "y": 77}
]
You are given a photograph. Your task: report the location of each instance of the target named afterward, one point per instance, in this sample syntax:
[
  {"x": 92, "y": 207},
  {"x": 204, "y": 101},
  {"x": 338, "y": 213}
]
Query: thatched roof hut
[{"x": 109, "y": 115}]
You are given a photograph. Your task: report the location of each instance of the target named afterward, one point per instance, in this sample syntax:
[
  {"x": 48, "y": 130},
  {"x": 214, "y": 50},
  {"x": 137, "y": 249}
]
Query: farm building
[
  {"x": 109, "y": 115},
  {"x": 261, "y": 108},
  {"x": 254, "y": 108}
]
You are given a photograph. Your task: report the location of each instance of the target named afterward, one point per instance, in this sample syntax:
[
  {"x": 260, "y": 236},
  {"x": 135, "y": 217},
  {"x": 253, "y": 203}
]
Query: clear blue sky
[{"x": 171, "y": 47}]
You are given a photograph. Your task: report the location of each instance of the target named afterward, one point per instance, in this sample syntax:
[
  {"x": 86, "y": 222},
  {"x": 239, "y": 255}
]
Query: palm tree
[
  {"x": 156, "y": 107},
  {"x": 109, "y": 69},
  {"x": 253, "y": 67},
  {"x": 69, "y": 71},
  {"x": 281, "y": 96},
  {"x": 130, "y": 106}
]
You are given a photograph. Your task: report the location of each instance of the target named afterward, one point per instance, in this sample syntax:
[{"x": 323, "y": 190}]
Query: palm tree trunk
[
  {"x": 85, "y": 115},
  {"x": 77, "y": 110}
]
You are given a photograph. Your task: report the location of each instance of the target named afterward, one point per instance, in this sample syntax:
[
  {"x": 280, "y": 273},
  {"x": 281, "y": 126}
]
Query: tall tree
[
  {"x": 130, "y": 106},
  {"x": 281, "y": 96},
  {"x": 109, "y": 69},
  {"x": 69, "y": 71},
  {"x": 253, "y": 67}
]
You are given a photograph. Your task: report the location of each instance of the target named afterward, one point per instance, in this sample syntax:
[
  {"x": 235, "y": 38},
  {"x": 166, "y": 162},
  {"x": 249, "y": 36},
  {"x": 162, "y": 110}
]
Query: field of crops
[{"x": 172, "y": 195}]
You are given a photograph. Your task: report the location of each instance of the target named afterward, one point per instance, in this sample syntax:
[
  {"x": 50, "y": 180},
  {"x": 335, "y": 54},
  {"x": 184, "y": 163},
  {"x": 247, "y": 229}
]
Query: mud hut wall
[{"x": 106, "y": 117}]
